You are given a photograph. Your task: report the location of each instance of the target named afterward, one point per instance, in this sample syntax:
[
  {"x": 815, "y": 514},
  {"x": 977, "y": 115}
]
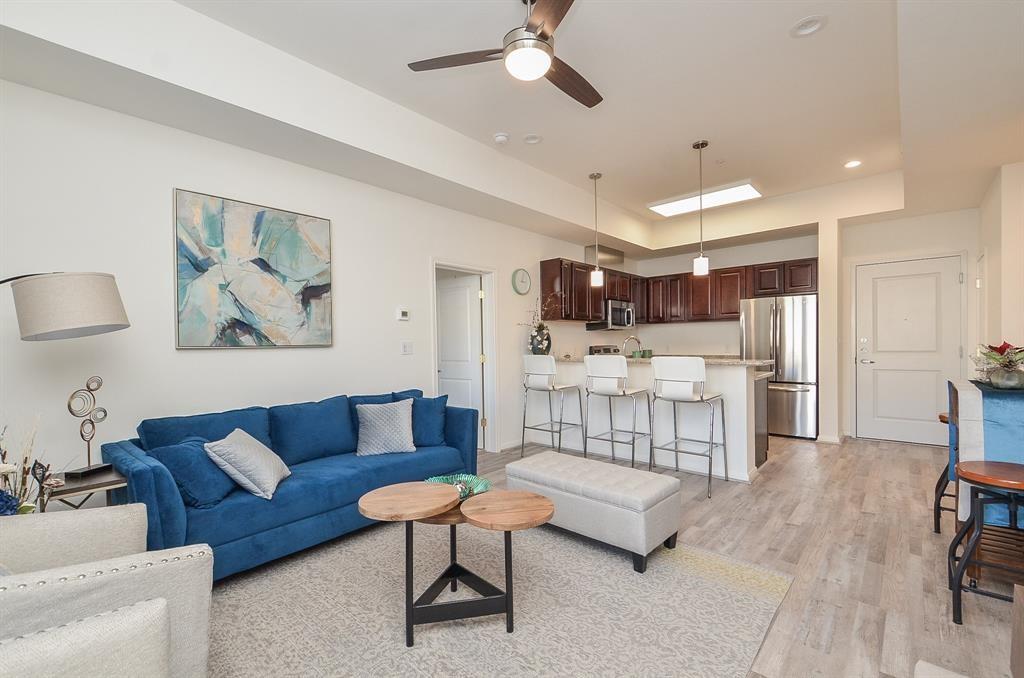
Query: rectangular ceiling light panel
[{"x": 713, "y": 198}]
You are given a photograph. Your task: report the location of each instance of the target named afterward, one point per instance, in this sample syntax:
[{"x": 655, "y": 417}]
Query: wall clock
[{"x": 521, "y": 281}]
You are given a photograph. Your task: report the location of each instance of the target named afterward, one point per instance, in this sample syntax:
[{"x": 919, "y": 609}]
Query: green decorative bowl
[{"x": 467, "y": 484}]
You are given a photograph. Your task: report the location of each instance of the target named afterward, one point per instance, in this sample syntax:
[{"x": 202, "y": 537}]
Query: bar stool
[
  {"x": 539, "y": 375},
  {"x": 606, "y": 376},
  {"x": 680, "y": 380}
]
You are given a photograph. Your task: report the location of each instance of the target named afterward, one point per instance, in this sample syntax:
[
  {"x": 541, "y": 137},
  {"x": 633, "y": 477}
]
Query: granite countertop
[{"x": 708, "y": 360}]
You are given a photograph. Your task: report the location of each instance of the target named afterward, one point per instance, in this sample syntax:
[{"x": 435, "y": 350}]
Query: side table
[{"x": 102, "y": 481}]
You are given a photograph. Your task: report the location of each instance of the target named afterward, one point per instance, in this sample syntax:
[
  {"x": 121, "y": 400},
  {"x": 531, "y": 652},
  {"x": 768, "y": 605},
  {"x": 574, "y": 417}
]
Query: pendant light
[
  {"x": 597, "y": 275},
  {"x": 701, "y": 265}
]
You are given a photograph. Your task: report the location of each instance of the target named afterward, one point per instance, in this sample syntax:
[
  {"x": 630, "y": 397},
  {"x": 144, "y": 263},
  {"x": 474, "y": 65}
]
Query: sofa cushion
[
  {"x": 356, "y": 400},
  {"x": 385, "y": 428},
  {"x": 248, "y": 462},
  {"x": 407, "y": 393},
  {"x": 214, "y": 426},
  {"x": 306, "y": 431},
  {"x": 427, "y": 419},
  {"x": 200, "y": 481},
  {"x": 315, "y": 487}
]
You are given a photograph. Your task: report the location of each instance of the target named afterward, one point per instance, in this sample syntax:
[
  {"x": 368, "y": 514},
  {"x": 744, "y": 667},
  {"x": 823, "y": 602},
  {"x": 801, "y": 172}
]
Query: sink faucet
[{"x": 639, "y": 346}]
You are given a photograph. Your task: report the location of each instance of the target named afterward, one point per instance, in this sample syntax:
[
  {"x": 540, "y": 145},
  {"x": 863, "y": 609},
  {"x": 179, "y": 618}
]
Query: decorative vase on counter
[
  {"x": 540, "y": 340},
  {"x": 1008, "y": 379}
]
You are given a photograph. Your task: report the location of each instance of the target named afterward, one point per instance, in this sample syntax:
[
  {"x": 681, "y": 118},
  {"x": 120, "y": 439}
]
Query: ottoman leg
[
  {"x": 639, "y": 563},
  {"x": 670, "y": 543}
]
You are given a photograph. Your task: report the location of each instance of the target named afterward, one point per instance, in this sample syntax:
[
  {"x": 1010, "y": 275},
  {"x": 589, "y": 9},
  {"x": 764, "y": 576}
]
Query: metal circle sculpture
[{"x": 82, "y": 404}]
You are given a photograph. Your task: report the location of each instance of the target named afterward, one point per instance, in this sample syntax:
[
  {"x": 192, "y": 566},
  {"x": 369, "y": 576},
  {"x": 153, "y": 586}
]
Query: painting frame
[{"x": 329, "y": 269}]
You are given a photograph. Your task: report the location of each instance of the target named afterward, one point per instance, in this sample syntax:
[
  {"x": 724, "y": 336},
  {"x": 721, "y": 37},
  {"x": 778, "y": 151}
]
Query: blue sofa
[{"x": 317, "y": 502}]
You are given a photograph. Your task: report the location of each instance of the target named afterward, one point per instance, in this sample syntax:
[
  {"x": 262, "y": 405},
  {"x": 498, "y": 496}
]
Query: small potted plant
[
  {"x": 1002, "y": 365},
  {"x": 540, "y": 331},
  {"x": 26, "y": 484}
]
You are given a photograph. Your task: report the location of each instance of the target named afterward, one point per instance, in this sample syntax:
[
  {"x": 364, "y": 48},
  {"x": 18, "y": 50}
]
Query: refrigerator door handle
[{"x": 789, "y": 389}]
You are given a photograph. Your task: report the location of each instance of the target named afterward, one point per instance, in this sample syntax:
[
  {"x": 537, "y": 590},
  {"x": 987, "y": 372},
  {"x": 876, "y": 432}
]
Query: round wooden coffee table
[{"x": 437, "y": 504}]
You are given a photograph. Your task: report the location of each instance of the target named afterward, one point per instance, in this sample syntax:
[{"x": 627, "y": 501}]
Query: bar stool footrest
[
  {"x": 627, "y": 436},
  {"x": 551, "y": 426}
]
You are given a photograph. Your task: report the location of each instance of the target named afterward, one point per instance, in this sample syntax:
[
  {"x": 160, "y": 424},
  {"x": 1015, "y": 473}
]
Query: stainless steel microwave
[{"x": 618, "y": 315}]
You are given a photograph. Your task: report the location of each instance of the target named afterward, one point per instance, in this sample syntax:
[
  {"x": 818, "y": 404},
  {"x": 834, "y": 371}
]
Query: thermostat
[{"x": 402, "y": 314}]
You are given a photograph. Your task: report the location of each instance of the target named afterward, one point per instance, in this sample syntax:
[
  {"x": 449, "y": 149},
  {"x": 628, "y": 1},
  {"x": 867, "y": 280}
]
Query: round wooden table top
[
  {"x": 507, "y": 510},
  {"x": 408, "y": 501},
  {"x": 1003, "y": 475}
]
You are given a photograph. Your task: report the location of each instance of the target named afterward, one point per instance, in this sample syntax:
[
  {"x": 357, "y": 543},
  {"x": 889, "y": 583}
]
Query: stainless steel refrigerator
[{"x": 785, "y": 329}]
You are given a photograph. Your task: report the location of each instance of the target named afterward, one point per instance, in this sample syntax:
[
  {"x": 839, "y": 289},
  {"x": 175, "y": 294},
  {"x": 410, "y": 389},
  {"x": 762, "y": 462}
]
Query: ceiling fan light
[{"x": 527, "y": 62}]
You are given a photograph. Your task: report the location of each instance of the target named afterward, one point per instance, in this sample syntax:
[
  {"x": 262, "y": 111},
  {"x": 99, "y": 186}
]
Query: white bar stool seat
[
  {"x": 606, "y": 377},
  {"x": 539, "y": 375},
  {"x": 680, "y": 380}
]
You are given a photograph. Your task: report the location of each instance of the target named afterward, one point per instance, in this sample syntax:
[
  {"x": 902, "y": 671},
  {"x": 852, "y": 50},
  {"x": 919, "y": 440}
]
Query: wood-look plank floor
[{"x": 852, "y": 525}]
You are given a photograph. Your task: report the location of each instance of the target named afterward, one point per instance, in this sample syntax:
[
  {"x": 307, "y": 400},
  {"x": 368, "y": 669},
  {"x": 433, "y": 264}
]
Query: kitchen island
[{"x": 736, "y": 379}]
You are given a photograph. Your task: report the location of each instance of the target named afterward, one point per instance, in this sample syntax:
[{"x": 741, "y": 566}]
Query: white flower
[{"x": 8, "y": 468}]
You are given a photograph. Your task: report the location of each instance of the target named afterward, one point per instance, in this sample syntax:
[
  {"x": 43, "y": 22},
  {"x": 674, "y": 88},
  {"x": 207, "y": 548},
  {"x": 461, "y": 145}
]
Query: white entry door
[
  {"x": 459, "y": 341},
  {"x": 908, "y": 344}
]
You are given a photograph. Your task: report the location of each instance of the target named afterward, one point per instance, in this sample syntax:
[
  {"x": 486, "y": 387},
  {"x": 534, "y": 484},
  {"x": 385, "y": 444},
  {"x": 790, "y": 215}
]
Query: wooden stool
[
  {"x": 941, "y": 485},
  {"x": 992, "y": 482}
]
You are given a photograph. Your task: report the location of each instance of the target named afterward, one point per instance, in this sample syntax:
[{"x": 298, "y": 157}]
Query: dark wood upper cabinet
[
  {"x": 581, "y": 292},
  {"x": 801, "y": 276},
  {"x": 657, "y": 300},
  {"x": 638, "y": 296},
  {"x": 566, "y": 293},
  {"x": 728, "y": 286},
  {"x": 675, "y": 293},
  {"x": 766, "y": 280},
  {"x": 699, "y": 298}
]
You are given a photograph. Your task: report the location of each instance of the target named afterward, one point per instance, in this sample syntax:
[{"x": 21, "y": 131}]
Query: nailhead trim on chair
[{"x": 113, "y": 570}]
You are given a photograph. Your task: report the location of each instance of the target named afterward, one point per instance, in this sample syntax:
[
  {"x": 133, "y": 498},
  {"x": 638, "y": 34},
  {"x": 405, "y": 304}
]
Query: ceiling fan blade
[
  {"x": 464, "y": 59},
  {"x": 546, "y": 16},
  {"x": 572, "y": 83}
]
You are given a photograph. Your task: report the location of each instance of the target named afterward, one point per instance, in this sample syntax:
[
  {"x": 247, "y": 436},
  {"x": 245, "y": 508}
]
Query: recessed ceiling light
[
  {"x": 852, "y": 164},
  {"x": 716, "y": 197},
  {"x": 532, "y": 139},
  {"x": 808, "y": 26},
  {"x": 501, "y": 138}
]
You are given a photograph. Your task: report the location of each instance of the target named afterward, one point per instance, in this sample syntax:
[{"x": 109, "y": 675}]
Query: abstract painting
[{"x": 250, "y": 276}]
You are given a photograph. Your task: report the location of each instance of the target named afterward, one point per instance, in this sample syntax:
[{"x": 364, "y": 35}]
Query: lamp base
[{"x": 79, "y": 473}]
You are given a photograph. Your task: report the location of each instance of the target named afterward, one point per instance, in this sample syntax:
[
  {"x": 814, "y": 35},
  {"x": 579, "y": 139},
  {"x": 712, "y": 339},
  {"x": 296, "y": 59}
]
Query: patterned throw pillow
[
  {"x": 385, "y": 428},
  {"x": 248, "y": 462}
]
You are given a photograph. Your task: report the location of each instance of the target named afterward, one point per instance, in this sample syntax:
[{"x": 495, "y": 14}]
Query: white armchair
[{"x": 81, "y": 596}]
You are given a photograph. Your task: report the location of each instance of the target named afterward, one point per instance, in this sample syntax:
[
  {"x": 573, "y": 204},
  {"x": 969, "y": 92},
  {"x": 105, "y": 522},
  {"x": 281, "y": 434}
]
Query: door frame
[
  {"x": 851, "y": 327},
  {"x": 488, "y": 315}
]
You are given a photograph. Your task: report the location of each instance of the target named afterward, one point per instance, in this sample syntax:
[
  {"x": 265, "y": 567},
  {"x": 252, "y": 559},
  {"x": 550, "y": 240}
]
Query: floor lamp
[{"x": 65, "y": 306}]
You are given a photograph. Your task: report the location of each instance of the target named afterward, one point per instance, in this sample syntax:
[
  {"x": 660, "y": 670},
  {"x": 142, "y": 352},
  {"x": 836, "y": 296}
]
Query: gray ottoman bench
[{"x": 625, "y": 507}]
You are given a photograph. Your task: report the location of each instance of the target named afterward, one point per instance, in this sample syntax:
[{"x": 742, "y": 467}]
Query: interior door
[
  {"x": 908, "y": 344},
  {"x": 460, "y": 341}
]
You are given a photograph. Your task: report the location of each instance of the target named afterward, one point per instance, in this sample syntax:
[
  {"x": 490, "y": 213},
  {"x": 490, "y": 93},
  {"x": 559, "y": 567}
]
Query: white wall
[
  {"x": 719, "y": 337},
  {"x": 991, "y": 235},
  {"x": 84, "y": 188},
  {"x": 945, "y": 233}
]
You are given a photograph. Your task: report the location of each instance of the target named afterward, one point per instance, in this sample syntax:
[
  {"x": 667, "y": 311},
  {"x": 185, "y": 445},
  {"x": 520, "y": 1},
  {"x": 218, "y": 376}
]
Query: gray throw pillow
[
  {"x": 248, "y": 462},
  {"x": 386, "y": 428}
]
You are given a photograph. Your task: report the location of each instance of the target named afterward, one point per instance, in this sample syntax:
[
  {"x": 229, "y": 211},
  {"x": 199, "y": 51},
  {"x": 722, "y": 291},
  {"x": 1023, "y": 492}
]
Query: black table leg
[
  {"x": 455, "y": 582},
  {"x": 977, "y": 520},
  {"x": 408, "y": 583},
  {"x": 508, "y": 582}
]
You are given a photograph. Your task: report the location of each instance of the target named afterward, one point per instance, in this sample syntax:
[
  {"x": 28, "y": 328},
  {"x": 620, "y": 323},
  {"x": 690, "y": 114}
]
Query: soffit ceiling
[{"x": 782, "y": 112}]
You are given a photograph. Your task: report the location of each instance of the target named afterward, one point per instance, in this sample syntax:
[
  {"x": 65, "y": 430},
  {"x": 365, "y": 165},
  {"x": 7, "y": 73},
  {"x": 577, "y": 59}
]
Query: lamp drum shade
[{"x": 67, "y": 305}]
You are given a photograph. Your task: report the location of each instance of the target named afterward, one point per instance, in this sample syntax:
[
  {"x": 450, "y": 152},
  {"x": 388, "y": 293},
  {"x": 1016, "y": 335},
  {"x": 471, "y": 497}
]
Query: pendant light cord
[
  {"x": 700, "y": 200},
  {"x": 597, "y": 251}
]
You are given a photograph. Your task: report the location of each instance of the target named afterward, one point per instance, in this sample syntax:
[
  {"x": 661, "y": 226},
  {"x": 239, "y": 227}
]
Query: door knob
[{"x": 864, "y": 361}]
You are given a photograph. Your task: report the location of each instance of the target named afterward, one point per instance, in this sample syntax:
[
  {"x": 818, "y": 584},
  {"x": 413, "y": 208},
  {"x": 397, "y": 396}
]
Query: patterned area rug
[{"x": 580, "y": 609}]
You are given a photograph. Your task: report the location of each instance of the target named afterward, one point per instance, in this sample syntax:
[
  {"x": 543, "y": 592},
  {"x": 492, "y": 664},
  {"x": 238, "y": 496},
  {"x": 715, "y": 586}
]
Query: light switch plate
[{"x": 406, "y": 347}]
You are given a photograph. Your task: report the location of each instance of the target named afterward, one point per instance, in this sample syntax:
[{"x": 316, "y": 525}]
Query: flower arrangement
[
  {"x": 540, "y": 331},
  {"x": 24, "y": 484},
  {"x": 1002, "y": 365}
]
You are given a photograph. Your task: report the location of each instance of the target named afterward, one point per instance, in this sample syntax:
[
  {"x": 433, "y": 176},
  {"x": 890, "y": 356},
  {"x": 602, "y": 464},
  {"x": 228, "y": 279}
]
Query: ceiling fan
[{"x": 529, "y": 53}]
